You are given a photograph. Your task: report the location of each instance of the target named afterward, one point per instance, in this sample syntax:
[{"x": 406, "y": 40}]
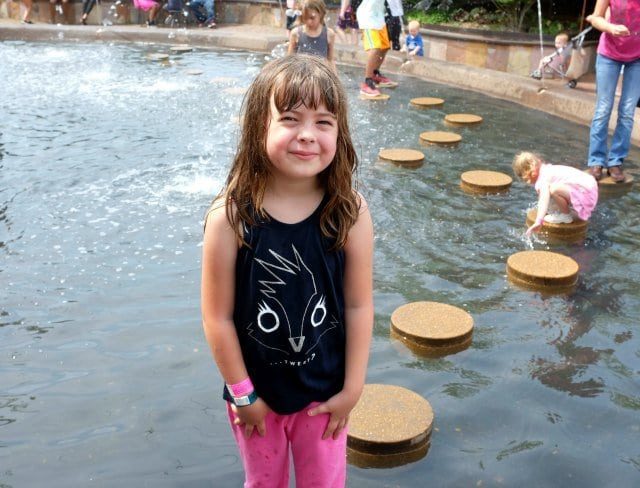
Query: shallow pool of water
[{"x": 107, "y": 164}]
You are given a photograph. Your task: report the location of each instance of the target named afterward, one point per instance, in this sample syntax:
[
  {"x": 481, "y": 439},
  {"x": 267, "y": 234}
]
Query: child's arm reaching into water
[
  {"x": 543, "y": 206},
  {"x": 358, "y": 297},
  {"x": 219, "y": 252}
]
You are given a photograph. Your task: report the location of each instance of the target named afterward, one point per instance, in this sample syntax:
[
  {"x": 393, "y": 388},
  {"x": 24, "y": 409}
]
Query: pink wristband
[{"x": 241, "y": 389}]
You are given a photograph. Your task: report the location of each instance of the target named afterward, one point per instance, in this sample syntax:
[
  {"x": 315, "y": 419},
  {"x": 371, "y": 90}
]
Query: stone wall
[{"x": 519, "y": 55}]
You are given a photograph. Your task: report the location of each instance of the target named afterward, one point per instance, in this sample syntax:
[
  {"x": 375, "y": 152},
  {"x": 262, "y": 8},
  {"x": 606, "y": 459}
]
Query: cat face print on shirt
[{"x": 292, "y": 315}]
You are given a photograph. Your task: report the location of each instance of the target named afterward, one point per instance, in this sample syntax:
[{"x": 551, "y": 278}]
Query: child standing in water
[
  {"x": 287, "y": 278},
  {"x": 313, "y": 36},
  {"x": 570, "y": 190}
]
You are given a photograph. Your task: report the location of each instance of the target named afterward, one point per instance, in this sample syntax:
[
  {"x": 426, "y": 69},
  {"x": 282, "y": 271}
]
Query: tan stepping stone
[
  {"x": 440, "y": 138},
  {"x": 462, "y": 119},
  {"x": 157, "y": 56},
  {"x": 387, "y": 84},
  {"x": 409, "y": 158},
  {"x": 193, "y": 72},
  {"x": 377, "y": 98},
  {"x": 608, "y": 186},
  {"x": 235, "y": 90},
  {"x": 543, "y": 270},
  {"x": 427, "y": 102},
  {"x": 183, "y": 48},
  {"x": 223, "y": 80},
  {"x": 573, "y": 232},
  {"x": 432, "y": 329},
  {"x": 485, "y": 182},
  {"x": 389, "y": 426}
]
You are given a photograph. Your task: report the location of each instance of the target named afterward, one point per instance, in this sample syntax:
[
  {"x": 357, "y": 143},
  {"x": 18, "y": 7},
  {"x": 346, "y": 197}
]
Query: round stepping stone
[
  {"x": 181, "y": 49},
  {"x": 427, "y": 102},
  {"x": 542, "y": 270},
  {"x": 440, "y": 138},
  {"x": 432, "y": 329},
  {"x": 235, "y": 90},
  {"x": 389, "y": 426},
  {"x": 387, "y": 84},
  {"x": 485, "y": 182},
  {"x": 575, "y": 231},
  {"x": 607, "y": 186},
  {"x": 462, "y": 119},
  {"x": 223, "y": 80},
  {"x": 193, "y": 72},
  {"x": 382, "y": 96},
  {"x": 158, "y": 57},
  {"x": 409, "y": 158}
]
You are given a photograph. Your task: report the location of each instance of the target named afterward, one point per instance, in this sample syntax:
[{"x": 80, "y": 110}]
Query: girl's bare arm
[
  {"x": 219, "y": 252},
  {"x": 293, "y": 41},
  {"x": 331, "y": 39}
]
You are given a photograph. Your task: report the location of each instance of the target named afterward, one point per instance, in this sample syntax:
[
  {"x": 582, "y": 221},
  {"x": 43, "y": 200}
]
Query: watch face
[{"x": 242, "y": 401}]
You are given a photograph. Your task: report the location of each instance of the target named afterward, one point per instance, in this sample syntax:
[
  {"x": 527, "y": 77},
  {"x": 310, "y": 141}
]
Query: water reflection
[{"x": 571, "y": 373}]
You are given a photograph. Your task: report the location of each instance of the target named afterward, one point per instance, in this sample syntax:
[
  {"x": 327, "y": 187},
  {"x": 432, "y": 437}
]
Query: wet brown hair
[
  {"x": 291, "y": 81},
  {"x": 317, "y": 5}
]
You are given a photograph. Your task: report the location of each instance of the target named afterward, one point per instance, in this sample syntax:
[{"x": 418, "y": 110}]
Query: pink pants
[{"x": 317, "y": 463}]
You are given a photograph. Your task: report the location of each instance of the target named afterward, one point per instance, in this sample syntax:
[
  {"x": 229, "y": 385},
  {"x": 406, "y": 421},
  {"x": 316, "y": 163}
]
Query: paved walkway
[{"x": 550, "y": 96}]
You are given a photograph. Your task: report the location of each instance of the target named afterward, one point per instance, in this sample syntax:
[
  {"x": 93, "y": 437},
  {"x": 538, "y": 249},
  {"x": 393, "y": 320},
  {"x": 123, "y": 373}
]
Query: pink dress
[
  {"x": 583, "y": 188},
  {"x": 144, "y": 4}
]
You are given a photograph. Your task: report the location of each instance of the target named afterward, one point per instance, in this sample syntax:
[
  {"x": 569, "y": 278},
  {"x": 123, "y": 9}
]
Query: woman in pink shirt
[
  {"x": 619, "y": 47},
  {"x": 571, "y": 191}
]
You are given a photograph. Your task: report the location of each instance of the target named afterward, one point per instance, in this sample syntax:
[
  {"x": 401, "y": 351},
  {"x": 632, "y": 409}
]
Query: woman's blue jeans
[
  {"x": 607, "y": 73},
  {"x": 207, "y": 5}
]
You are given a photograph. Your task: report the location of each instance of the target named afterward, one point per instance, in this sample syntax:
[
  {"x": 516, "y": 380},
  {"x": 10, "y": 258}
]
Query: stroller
[{"x": 557, "y": 66}]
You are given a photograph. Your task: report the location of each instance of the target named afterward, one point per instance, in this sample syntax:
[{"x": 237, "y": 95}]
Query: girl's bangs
[{"x": 307, "y": 89}]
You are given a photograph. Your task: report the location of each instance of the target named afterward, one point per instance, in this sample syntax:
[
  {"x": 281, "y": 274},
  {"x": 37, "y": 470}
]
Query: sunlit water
[{"x": 107, "y": 163}]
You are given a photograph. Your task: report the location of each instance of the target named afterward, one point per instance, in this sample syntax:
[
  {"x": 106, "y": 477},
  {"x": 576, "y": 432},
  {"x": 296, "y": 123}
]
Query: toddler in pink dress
[{"x": 574, "y": 192}]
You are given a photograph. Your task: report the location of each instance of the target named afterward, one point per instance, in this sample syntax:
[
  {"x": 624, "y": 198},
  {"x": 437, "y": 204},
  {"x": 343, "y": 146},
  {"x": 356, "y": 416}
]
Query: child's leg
[
  {"x": 265, "y": 459},
  {"x": 561, "y": 195},
  {"x": 317, "y": 462}
]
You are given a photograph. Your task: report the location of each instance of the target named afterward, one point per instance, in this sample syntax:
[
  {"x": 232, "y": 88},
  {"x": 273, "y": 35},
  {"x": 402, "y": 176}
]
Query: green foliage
[
  {"x": 506, "y": 15},
  {"x": 429, "y": 17},
  {"x": 553, "y": 27}
]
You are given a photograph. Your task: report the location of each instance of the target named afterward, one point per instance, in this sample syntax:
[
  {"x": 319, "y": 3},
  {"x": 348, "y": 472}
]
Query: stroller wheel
[
  {"x": 536, "y": 75},
  {"x": 572, "y": 83}
]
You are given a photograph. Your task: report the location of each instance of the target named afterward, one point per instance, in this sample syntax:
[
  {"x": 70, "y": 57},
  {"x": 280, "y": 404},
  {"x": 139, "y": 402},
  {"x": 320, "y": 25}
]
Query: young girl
[
  {"x": 287, "y": 278},
  {"x": 313, "y": 37},
  {"x": 569, "y": 188}
]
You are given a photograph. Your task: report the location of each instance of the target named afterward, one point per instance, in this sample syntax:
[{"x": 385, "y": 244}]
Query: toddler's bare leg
[{"x": 561, "y": 196}]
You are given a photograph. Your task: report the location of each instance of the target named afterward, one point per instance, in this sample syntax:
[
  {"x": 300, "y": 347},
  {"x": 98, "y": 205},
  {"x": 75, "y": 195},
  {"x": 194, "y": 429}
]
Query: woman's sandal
[
  {"x": 596, "y": 172},
  {"x": 616, "y": 174}
]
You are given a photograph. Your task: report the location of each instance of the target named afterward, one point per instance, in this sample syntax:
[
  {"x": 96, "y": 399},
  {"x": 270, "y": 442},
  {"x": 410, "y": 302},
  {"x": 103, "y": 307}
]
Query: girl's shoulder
[
  {"x": 361, "y": 202},
  {"x": 217, "y": 217}
]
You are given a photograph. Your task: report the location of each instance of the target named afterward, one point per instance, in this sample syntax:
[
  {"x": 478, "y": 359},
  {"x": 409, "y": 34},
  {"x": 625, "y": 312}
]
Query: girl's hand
[
  {"x": 534, "y": 228},
  {"x": 339, "y": 406},
  {"x": 252, "y": 416},
  {"x": 619, "y": 30}
]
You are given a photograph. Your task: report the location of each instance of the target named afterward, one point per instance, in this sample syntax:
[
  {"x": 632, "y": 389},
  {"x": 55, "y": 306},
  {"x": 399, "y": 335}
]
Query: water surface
[{"x": 107, "y": 164}]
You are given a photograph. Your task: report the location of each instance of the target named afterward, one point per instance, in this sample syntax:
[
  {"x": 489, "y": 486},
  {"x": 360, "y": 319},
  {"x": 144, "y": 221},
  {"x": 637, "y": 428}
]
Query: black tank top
[
  {"x": 289, "y": 312},
  {"x": 318, "y": 46}
]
